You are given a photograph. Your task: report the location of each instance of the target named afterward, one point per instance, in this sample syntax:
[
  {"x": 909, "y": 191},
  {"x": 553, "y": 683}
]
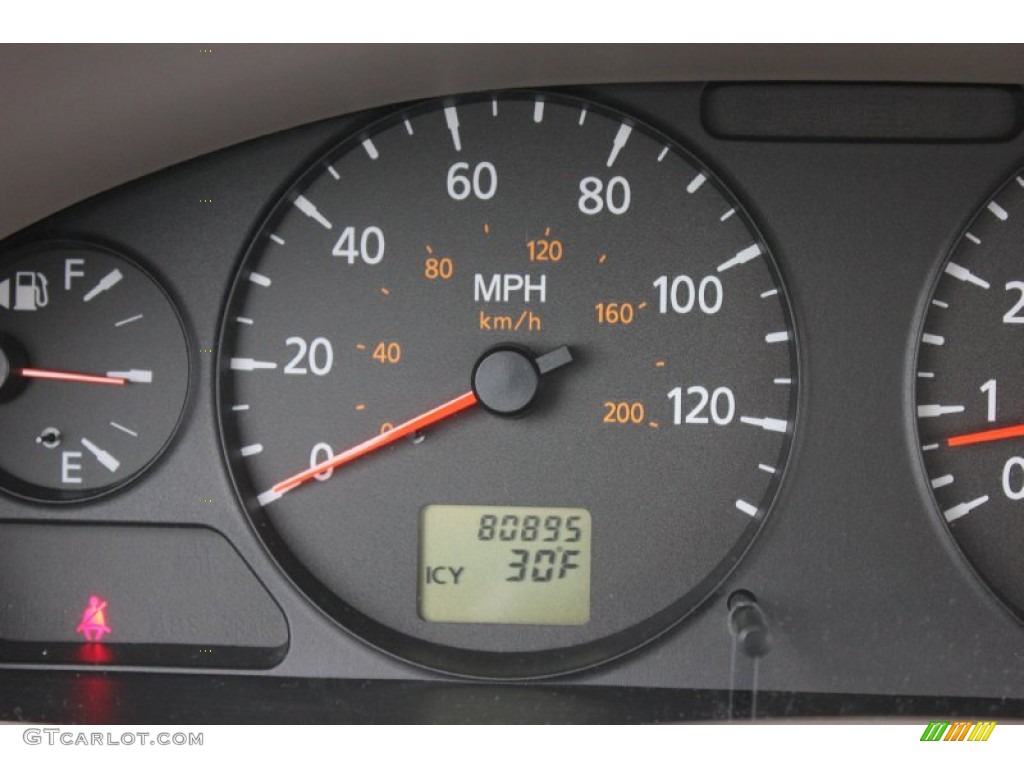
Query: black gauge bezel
[
  {"x": 59, "y": 497},
  {"x": 995, "y": 595},
  {"x": 489, "y": 665}
]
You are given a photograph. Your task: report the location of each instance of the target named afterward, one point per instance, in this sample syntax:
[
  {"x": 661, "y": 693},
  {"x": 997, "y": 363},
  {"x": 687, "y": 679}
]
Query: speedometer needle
[
  {"x": 424, "y": 420},
  {"x": 81, "y": 378},
  {"x": 986, "y": 436}
]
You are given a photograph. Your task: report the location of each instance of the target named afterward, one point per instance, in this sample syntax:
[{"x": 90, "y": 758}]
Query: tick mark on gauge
[
  {"x": 768, "y": 424},
  {"x": 942, "y": 482},
  {"x": 974, "y": 239},
  {"x": 538, "y": 111},
  {"x": 930, "y": 447},
  {"x": 602, "y": 258},
  {"x": 103, "y": 457},
  {"x": 727, "y": 215},
  {"x": 127, "y": 320},
  {"x": 361, "y": 406},
  {"x": 494, "y": 107},
  {"x": 619, "y": 142},
  {"x": 109, "y": 281},
  {"x": 248, "y": 364},
  {"x": 385, "y": 292},
  {"x": 770, "y": 293},
  {"x": 371, "y": 149},
  {"x": 240, "y": 407},
  {"x": 267, "y": 496},
  {"x": 451, "y": 118},
  {"x": 135, "y": 376},
  {"x": 124, "y": 429},
  {"x": 653, "y": 424},
  {"x": 244, "y": 320},
  {"x": 934, "y": 339},
  {"x": 261, "y": 280},
  {"x": 583, "y": 115},
  {"x": 766, "y": 468},
  {"x": 312, "y": 212},
  {"x": 430, "y": 249},
  {"x": 778, "y": 337},
  {"x": 955, "y": 513},
  {"x": 334, "y": 173},
  {"x": 749, "y": 253},
  {"x": 252, "y": 450},
  {"x": 782, "y": 382},
  {"x": 664, "y": 151},
  {"x": 998, "y": 211},
  {"x": 659, "y": 363},
  {"x": 934, "y": 410},
  {"x": 487, "y": 229},
  {"x": 746, "y": 507},
  {"x": 361, "y": 347},
  {"x": 277, "y": 239},
  {"x": 925, "y": 375},
  {"x": 408, "y": 127},
  {"x": 696, "y": 183},
  {"x": 940, "y": 304},
  {"x": 965, "y": 275}
]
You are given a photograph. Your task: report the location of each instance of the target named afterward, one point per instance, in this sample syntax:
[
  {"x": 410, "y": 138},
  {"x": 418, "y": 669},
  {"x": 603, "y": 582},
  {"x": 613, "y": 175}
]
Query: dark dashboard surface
[{"x": 871, "y": 606}]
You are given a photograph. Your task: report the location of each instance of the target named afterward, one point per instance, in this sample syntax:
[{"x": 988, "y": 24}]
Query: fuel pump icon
[{"x": 30, "y": 292}]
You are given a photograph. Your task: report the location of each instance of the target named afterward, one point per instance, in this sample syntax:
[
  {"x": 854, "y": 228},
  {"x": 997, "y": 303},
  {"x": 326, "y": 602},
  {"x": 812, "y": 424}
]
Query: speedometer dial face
[
  {"x": 970, "y": 402},
  {"x": 507, "y": 384}
]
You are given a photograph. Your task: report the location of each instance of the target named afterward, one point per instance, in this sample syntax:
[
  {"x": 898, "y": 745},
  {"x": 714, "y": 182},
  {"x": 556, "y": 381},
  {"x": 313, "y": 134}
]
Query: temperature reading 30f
[{"x": 505, "y": 565}]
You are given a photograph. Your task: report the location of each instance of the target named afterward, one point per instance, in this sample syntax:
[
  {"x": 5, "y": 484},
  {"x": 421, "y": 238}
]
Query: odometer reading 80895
[
  {"x": 523, "y": 310},
  {"x": 505, "y": 565}
]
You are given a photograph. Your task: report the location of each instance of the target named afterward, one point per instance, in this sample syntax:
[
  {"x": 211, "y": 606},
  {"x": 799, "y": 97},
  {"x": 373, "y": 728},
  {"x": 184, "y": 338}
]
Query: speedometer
[{"x": 507, "y": 384}]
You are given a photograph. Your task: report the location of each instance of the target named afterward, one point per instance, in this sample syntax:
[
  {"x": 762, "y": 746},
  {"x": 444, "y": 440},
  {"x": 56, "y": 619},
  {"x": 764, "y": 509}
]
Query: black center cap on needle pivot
[
  {"x": 11, "y": 359},
  {"x": 5, "y": 367},
  {"x": 506, "y": 380}
]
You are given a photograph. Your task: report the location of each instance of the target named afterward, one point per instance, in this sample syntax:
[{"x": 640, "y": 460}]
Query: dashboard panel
[{"x": 869, "y": 604}]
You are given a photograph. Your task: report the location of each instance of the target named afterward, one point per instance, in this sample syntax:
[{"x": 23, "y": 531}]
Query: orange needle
[
  {"x": 460, "y": 403},
  {"x": 82, "y": 378},
  {"x": 986, "y": 436}
]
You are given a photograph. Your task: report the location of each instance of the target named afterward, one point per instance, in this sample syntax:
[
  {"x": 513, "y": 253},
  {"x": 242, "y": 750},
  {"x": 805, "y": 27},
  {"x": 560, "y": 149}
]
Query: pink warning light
[{"x": 94, "y": 620}]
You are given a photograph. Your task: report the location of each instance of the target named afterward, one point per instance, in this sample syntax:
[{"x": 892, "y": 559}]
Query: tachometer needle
[
  {"x": 986, "y": 436},
  {"x": 81, "y": 378},
  {"x": 452, "y": 407}
]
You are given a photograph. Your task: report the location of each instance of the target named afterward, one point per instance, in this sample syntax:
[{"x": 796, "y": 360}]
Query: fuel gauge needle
[
  {"x": 424, "y": 420},
  {"x": 986, "y": 436},
  {"x": 81, "y": 378}
]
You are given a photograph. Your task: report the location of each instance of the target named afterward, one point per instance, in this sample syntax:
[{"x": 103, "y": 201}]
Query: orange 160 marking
[{"x": 615, "y": 313}]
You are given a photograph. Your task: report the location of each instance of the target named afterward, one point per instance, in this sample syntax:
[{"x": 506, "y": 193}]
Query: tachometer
[
  {"x": 507, "y": 384},
  {"x": 970, "y": 403}
]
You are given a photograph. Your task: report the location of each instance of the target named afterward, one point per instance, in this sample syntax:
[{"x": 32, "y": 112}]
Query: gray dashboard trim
[{"x": 81, "y": 119}]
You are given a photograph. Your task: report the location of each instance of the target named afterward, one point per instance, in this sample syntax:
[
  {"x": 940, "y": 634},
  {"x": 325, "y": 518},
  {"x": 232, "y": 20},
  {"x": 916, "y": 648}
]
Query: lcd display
[{"x": 504, "y": 565}]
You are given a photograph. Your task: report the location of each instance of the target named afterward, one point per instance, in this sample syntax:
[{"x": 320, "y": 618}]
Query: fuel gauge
[{"x": 94, "y": 371}]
